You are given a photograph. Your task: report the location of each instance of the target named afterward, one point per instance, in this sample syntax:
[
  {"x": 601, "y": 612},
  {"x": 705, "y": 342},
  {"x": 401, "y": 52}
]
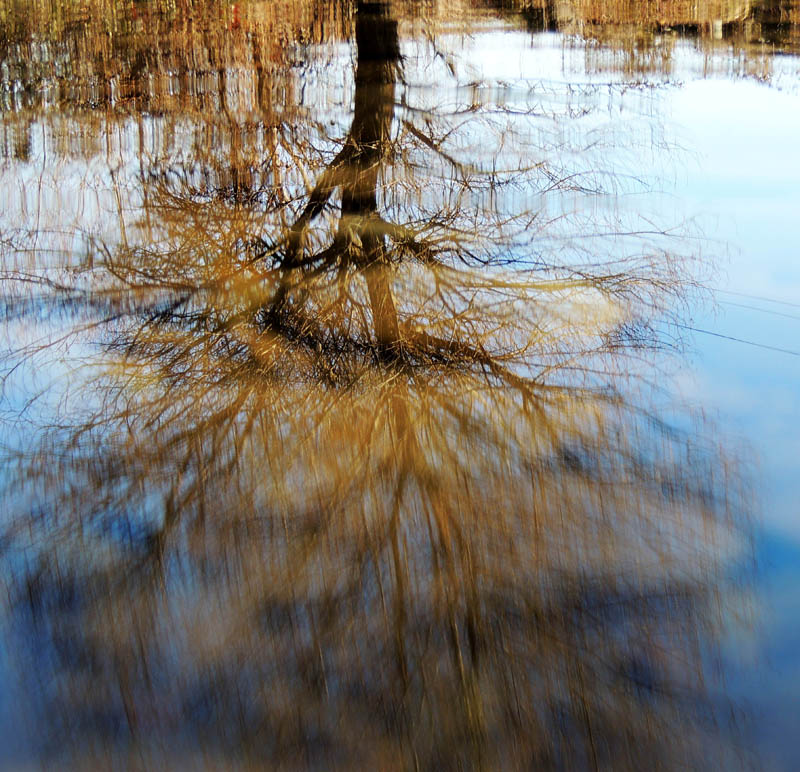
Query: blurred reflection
[
  {"x": 194, "y": 57},
  {"x": 736, "y": 36},
  {"x": 358, "y": 476}
]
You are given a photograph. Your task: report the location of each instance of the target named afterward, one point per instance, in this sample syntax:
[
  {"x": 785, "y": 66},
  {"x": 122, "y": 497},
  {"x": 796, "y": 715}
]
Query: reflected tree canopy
[{"x": 352, "y": 460}]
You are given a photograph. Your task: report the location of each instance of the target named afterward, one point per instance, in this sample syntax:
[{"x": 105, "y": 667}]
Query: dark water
[{"x": 364, "y": 403}]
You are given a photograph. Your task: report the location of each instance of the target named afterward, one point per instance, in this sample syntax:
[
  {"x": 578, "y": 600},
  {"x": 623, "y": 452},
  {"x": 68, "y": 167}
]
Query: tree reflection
[{"x": 358, "y": 490}]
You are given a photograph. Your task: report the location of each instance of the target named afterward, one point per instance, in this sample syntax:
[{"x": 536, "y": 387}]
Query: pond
[{"x": 396, "y": 385}]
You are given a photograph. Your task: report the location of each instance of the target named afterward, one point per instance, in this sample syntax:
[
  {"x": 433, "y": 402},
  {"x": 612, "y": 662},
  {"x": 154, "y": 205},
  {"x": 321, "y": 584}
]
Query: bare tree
[{"x": 349, "y": 485}]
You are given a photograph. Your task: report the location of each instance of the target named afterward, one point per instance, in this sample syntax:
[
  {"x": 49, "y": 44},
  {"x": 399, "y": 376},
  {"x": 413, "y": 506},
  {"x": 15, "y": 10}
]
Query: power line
[
  {"x": 741, "y": 340},
  {"x": 759, "y": 297},
  {"x": 762, "y": 310}
]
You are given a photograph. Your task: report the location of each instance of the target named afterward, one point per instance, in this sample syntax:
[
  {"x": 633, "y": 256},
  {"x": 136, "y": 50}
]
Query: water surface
[{"x": 364, "y": 403}]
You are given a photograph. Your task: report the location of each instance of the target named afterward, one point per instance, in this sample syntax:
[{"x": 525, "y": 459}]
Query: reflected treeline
[
  {"x": 640, "y": 39},
  {"x": 155, "y": 56},
  {"x": 105, "y": 59},
  {"x": 713, "y": 18},
  {"x": 349, "y": 470}
]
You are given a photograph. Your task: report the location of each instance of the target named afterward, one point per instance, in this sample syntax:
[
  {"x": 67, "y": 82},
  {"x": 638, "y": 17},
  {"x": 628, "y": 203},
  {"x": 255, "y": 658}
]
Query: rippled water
[{"x": 397, "y": 385}]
